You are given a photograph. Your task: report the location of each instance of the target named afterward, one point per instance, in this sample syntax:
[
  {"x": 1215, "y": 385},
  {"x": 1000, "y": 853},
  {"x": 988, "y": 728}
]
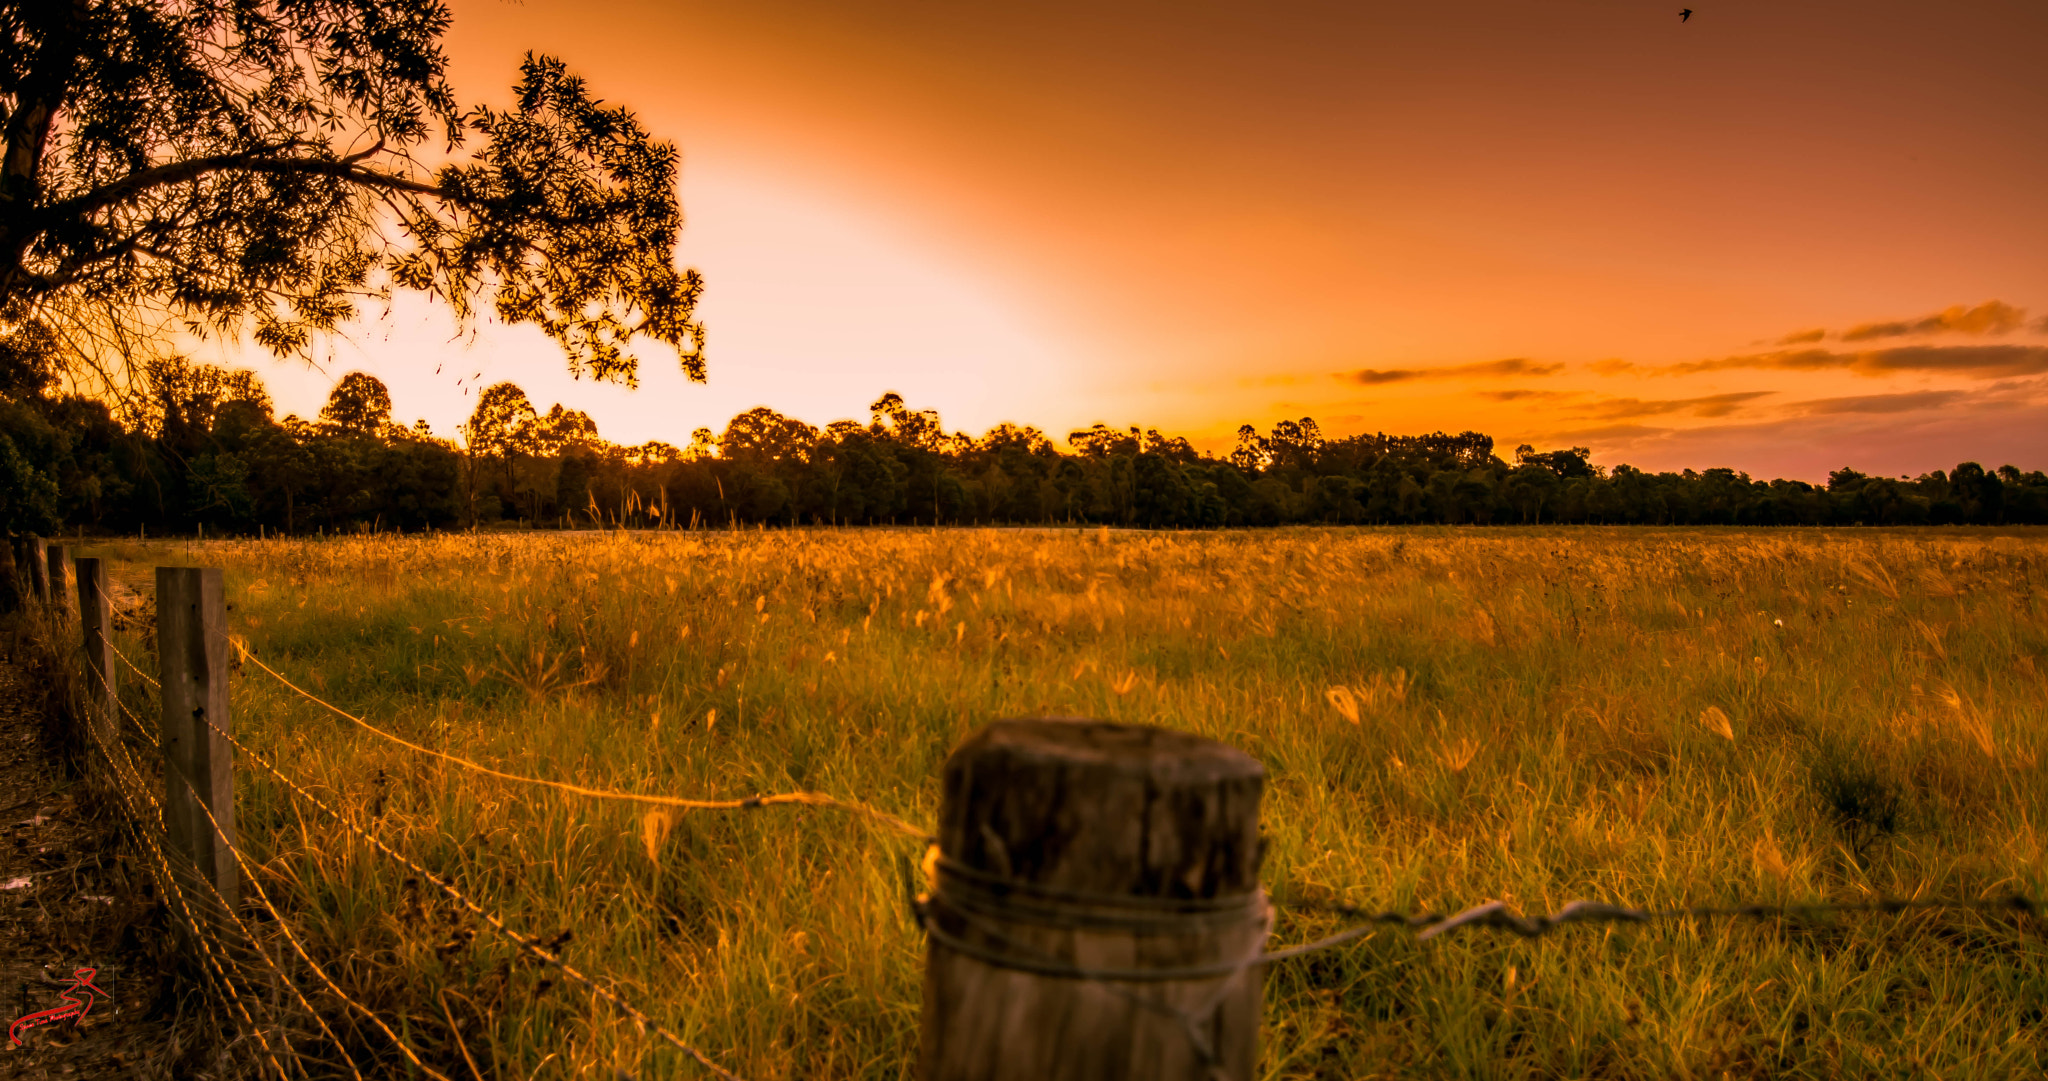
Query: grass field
[{"x": 1647, "y": 717}]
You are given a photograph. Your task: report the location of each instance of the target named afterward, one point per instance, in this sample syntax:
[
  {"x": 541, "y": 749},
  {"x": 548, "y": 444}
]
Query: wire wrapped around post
[{"x": 1096, "y": 913}]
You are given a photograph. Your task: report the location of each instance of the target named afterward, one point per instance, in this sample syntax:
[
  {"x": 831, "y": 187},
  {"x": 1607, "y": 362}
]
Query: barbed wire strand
[
  {"x": 142, "y": 729},
  {"x": 249, "y": 873},
  {"x": 115, "y": 696},
  {"x": 1494, "y": 914},
  {"x": 131, "y": 787},
  {"x": 814, "y": 799},
  {"x": 1497, "y": 915},
  {"x": 283, "y": 925},
  {"x": 167, "y": 882},
  {"x": 247, "y": 932},
  {"x": 529, "y": 945},
  {"x": 116, "y": 650}
]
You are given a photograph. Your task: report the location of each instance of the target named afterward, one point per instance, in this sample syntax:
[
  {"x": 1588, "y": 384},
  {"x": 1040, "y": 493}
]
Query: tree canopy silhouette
[
  {"x": 267, "y": 166},
  {"x": 359, "y": 403},
  {"x": 205, "y": 448}
]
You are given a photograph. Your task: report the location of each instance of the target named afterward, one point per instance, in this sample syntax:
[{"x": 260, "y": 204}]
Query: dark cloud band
[
  {"x": 1513, "y": 366},
  {"x": 1990, "y": 317},
  {"x": 1980, "y": 361}
]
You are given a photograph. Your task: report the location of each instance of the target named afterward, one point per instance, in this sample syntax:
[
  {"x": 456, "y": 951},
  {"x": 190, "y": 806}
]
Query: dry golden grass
[{"x": 1647, "y": 717}]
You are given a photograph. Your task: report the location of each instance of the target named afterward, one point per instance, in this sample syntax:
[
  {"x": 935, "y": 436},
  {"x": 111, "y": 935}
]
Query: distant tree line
[{"x": 203, "y": 448}]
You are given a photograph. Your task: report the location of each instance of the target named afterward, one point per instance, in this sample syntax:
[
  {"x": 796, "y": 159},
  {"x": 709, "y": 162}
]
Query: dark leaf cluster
[{"x": 223, "y": 166}]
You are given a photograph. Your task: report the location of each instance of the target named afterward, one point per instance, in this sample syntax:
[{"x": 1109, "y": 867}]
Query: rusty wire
[
  {"x": 1496, "y": 914},
  {"x": 216, "y": 959},
  {"x": 813, "y": 799},
  {"x": 529, "y": 945},
  {"x": 146, "y": 677}
]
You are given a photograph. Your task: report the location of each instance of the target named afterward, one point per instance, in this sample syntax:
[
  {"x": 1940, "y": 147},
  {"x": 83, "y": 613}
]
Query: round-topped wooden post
[{"x": 1097, "y": 907}]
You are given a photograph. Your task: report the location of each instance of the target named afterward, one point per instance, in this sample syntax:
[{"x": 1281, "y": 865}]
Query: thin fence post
[
  {"x": 1074, "y": 853},
  {"x": 96, "y": 617},
  {"x": 192, "y": 650},
  {"x": 13, "y": 584},
  {"x": 58, "y": 563},
  {"x": 30, "y": 556}
]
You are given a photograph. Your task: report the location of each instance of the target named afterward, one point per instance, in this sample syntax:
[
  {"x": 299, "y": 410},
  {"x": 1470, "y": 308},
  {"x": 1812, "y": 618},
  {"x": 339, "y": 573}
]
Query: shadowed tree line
[{"x": 205, "y": 448}]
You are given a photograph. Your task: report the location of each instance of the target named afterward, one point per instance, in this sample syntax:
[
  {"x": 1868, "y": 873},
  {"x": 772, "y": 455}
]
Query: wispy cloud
[
  {"x": 1990, "y": 317},
  {"x": 1525, "y": 395},
  {"x": 1980, "y": 361},
  {"x": 1881, "y": 403},
  {"x": 1711, "y": 405},
  {"x": 1513, "y": 366},
  {"x": 1808, "y": 445}
]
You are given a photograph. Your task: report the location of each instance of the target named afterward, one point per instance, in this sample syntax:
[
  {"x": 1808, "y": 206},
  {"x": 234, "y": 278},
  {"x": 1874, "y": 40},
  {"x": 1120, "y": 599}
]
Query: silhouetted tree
[
  {"x": 359, "y": 403},
  {"x": 258, "y": 167}
]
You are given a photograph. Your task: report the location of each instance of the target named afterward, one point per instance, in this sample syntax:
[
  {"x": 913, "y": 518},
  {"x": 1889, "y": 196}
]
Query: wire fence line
[
  {"x": 132, "y": 667},
  {"x": 1496, "y": 914},
  {"x": 813, "y": 799},
  {"x": 530, "y": 945},
  {"x": 1491, "y": 914},
  {"x": 130, "y": 786},
  {"x": 1425, "y": 926},
  {"x": 144, "y": 821}
]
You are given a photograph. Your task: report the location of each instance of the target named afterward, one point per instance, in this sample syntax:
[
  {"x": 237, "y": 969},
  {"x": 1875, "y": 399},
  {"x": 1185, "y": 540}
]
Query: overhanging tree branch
[
  {"x": 260, "y": 160},
  {"x": 225, "y": 182}
]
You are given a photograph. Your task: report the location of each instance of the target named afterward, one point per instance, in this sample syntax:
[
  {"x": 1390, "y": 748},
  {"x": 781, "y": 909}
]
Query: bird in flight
[{"x": 1685, "y": 15}]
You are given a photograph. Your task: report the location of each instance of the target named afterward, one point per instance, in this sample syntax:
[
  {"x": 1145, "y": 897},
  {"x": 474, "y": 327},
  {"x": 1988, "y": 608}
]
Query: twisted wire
[
  {"x": 1056, "y": 907},
  {"x": 167, "y": 881},
  {"x": 1496, "y": 914},
  {"x": 814, "y": 799},
  {"x": 249, "y": 874},
  {"x": 255, "y": 943},
  {"x": 124, "y": 778},
  {"x": 115, "y": 696},
  {"x": 531, "y": 946},
  {"x": 146, "y": 677}
]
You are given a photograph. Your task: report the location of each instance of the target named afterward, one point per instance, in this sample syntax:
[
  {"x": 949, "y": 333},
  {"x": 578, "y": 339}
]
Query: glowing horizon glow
[
  {"x": 1192, "y": 218},
  {"x": 796, "y": 279}
]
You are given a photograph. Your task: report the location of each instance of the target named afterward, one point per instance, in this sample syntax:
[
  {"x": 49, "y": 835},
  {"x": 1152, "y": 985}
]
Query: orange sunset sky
[{"x": 1783, "y": 236}]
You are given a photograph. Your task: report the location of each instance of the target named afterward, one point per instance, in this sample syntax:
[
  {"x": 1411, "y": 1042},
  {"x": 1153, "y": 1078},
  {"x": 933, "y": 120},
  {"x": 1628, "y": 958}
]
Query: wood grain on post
[
  {"x": 31, "y": 560},
  {"x": 192, "y": 650},
  {"x": 1073, "y": 847},
  {"x": 57, "y": 566},
  {"x": 96, "y": 617},
  {"x": 13, "y": 585}
]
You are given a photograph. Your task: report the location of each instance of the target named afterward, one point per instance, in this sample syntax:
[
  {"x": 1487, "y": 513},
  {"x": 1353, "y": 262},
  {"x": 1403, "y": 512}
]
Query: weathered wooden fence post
[
  {"x": 192, "y": 650},
  {"x": 30, "y": 558},
  {"x": 1074, "y": 853},
  {"x": 96, "y": 617},
  {"x": 13, "y": 585},
  {"x": 58, "y": 564}
]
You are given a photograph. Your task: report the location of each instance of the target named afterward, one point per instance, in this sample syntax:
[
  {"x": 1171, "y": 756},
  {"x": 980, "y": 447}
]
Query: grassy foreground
[{"x": 1647, "y": 717}]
